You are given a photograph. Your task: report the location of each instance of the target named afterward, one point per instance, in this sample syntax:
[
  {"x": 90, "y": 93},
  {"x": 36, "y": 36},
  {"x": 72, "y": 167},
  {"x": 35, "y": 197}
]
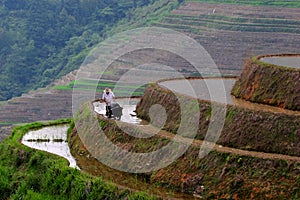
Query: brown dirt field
[
  {"x": 197, "y": 8},
  {"x": 230, "y": 48}
]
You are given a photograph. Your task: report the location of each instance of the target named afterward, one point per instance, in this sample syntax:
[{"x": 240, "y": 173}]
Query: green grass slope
[{"x": 26, "y": 173}]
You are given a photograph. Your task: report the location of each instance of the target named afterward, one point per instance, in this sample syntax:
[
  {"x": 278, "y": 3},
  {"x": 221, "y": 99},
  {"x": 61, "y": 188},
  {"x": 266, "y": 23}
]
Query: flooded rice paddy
[
  {"x": 52, "y": 139},
  {"x": 287, "y": 61},
  {"x": 128, "y": 105},
  {"x": 217, "y": 90}
]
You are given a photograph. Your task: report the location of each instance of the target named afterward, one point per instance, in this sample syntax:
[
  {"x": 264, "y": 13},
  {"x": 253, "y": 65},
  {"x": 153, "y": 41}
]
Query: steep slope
[
  {"x": 223, "y": 173},
  {"x": 55, "y": 100},
  {"x": 270, "y": 84},
  {"x": 43, "y": 40},
  {"x": 229, "y": 48}
]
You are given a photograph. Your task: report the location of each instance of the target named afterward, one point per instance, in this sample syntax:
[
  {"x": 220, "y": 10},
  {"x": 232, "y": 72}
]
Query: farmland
[
  {"x": 99, "y": 87},
  {"x": 290, "y": 4},
  {"x": 230, "y": 33}
]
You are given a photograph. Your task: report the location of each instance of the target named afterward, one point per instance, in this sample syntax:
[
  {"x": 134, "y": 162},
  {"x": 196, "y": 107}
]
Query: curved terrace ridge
[
  {"x": 271, "y": 79},
  {"x": 267, "y": 134}
]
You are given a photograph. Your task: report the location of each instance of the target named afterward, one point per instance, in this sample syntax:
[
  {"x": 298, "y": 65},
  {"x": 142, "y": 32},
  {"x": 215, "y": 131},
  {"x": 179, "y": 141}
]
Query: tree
[{"x": 43, "y": 39}]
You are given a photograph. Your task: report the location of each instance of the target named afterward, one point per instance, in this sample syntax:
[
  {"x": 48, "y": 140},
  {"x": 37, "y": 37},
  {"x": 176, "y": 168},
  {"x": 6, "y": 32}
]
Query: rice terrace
[{"x": 230, "y": 131}]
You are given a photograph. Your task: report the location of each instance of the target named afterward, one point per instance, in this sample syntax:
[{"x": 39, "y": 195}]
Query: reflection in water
[
  {"x": 288, "y": 61},
  {"x": 210, "y": 89},
  {"x": 128, "y": 106},
  {"x": 51, "y": 139}
]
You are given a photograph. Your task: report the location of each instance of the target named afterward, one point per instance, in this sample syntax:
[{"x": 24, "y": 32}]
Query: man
[{"x": 108, "y": 97}]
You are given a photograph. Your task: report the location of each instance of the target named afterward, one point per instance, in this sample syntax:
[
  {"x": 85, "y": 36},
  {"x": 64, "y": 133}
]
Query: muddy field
[
  {"x": 230, "y": 33},
  {"x": 196, "y": 9}
]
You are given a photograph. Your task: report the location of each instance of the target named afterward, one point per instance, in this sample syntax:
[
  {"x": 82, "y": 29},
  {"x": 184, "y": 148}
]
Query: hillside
[
  {"x": 248, "y": 161},
  {"x": 30, "y": 174},
  {"x": 231, "y": 34},
  {"x": 44, "y": 40}
]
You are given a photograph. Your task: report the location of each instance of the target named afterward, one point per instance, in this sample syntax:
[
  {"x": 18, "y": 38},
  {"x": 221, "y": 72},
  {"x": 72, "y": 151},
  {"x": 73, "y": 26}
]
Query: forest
[{"x": 41, "y": 40}]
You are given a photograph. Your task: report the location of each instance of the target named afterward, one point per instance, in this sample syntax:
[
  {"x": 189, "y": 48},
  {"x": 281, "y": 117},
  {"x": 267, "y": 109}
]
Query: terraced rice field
[
  {"x": 276, "y": 3},
  {"x": 124, "y": 90},
  {"x": 231, "y": 33}
]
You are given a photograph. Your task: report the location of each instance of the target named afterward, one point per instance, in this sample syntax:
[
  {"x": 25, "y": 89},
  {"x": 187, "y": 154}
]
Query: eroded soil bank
[
  {"x": 270, "y": 84},
  {"x": 218, "y": 175},
  {"x": 243, "y": 128}
]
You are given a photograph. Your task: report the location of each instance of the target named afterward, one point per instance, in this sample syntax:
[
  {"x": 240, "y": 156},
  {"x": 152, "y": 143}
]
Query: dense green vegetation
[
  {"x": 26, "y": 173},
  {"x": 43, "y": 40},
  {"x": 277, "y": 3},
  {"x": 147, "y": 15}
]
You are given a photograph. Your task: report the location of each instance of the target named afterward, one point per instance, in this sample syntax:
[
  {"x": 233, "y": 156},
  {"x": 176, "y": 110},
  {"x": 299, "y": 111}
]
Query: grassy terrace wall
[
  {"x": 269, "y": 84},
  {"x": 217, "y": 176},
  {"x": 243, "y": 129},
  {"x": 28, "y": 173}
]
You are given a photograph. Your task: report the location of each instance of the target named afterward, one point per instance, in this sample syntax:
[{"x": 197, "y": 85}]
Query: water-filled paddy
[
  {"x": 52, "y": 139},
  {"x": 287, "y": 61},
  {"x": 128, "y": 105},
  {"x": 217, "y": 90}
]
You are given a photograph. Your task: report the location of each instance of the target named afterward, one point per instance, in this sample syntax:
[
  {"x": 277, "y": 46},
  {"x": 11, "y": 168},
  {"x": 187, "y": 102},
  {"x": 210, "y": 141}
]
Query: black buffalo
[{"x": 117, "y": 111}]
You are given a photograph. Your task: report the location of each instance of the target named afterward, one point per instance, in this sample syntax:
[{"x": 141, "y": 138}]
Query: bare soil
[{"x": 230, "y": 45}]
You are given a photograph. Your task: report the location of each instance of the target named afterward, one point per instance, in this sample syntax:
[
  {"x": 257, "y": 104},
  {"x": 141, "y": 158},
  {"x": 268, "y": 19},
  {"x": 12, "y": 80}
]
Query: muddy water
[
  {"x": 211, "y": 89},
  {"x": 217, "y": 90},
  {"x": 128, "y": 105},
  {"x": 288, "y": 61},
  {"x": 51, "y": 139}
]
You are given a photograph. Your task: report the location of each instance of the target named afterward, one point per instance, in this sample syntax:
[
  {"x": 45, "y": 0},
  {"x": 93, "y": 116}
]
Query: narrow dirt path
[
  {"x": 198, "y": 88},
  {"x": 151, "y": 130}
]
